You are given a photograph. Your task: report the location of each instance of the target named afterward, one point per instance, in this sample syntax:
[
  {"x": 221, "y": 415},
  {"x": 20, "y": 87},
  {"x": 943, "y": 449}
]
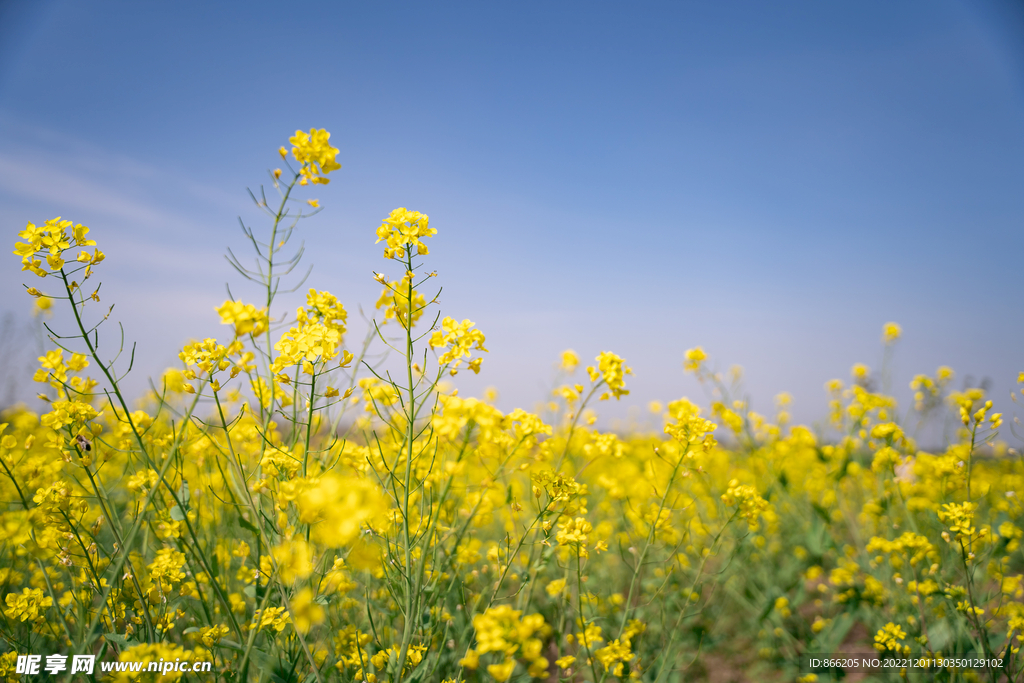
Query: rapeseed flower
[
  {"x": 611, "y": 371},
  {"x": 315, "y": 155},
  {"x": 402, "y": 230}
]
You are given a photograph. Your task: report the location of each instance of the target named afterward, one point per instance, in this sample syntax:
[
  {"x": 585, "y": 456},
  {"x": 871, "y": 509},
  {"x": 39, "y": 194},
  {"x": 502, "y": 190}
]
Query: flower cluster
[
  {"x": 504, "y": 631},
  {"x": 459, "y": 340},
  {"x": 50, "y": 241},
  {"x": 394, "y": 299},
  {"x": 324, "y": 308},
  {"x": 611, "y": 370},
  {"x": 337, "y": 509},
  {"x": 207, "y": 358},
  {"x": 305, "y": 344},
  {"x": 959, "y": 518},
  {"x": 315, "y": 155},
  {"x": 749, "y": 505},
  {"x": 316, "y": 336},
  {"x": 891, "y": 332},
  {"x": 246, "y": 318},
  {"x": 915, "y": 547},
  {"x": 402, "y": 231},
  {"x": 572, "y": 533},
  {"x": 690, "y": 428},
  {"x": 890, "y": 638},
  {"x": 694, "y": 359},
  {"x": 617, "y": 654},
  {"x": 29, "y": 605}
]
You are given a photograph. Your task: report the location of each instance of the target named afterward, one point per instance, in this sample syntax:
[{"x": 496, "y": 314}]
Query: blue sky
[{"x": 772, "y": 181}]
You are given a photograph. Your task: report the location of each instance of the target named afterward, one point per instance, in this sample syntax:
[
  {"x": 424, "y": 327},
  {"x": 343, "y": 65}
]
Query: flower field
[{"x": 287, "y": 508}]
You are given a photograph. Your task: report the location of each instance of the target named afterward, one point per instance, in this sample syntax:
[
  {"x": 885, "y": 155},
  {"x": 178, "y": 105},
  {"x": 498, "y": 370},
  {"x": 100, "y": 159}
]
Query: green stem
[
  {"x": 650, "y": 540},
  {"x": 410, "y": 588},
  {"x": 693, "y": 586},
  {"x": 575, "y": 420},
  {"x": 583, "y": 619}
]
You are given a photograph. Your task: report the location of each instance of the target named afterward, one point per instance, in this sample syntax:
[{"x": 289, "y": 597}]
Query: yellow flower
[
  {"x": 460, "y": 340},
  {"x": 294, "y": 560},
  {"x": 538, "y": 668},
  {"x": 565, "y": 662},
  {"x": 891, "y": 332},
  {"x": 502, "y": 672},
  {"x": 860, "y": 372},
  {"x": 306, "y": 342},
  {"x": 402, "y": 230},
  {"x": 52, "y": 239},
  {"x": 690, "y": 428},
  {"x": 413, "y": 657},
  {"x": 275, "y": 618},
  {"x": 43, "y": 304},
  {"x": 211, "y": 635},
  {"x": 306, "y": 612},
  {"x": 614, "y": 655},
  {"x": 337, "y": 509},
  {"x": 246, "y": 318},
  {"x": 889, "y": 637},
  {"x": 207, "y": 356},
  {"x": 573, "y": 533},
  {"x": 166, "y": 571},
  {"x": 29, "y": 605},
  {"x": 694, "y": 359},
  {"x": 590, "y": 636},
  {"x": 471, "y": 660},
  {"x": 315, "y": 154},
  {"x": 964, "y": 606},
  {"x": 322, "y": 307},
  {"x": 750, "y": 505},
  {"x": 503, "y": 630},
  {"x": 394, "y": 299},
  {"x": 611, "y": 370},
  {"x": 959, "y": 517}
]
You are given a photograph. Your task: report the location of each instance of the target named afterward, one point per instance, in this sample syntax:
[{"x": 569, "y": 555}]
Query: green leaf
[
  {"x": 841, "y": 625},
  {"x": 814, "y": 540},
  {"x": 420, "y": 672},
  {"x": 117, "y": 639},
  {"x": 262, "y": 660},
  {"x": 176, "y": 514},
  {"x": 247, "y": 525}
]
